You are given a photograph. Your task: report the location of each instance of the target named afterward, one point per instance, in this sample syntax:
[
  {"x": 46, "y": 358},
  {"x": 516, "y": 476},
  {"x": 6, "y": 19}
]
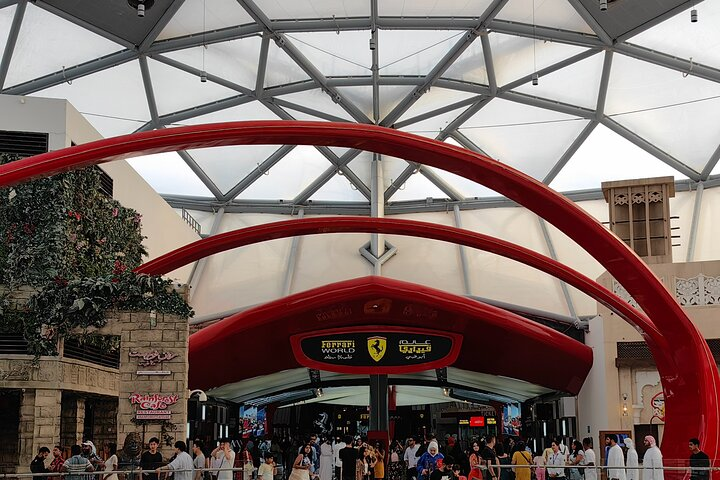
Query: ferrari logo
[{"x": 377, "y": 347}]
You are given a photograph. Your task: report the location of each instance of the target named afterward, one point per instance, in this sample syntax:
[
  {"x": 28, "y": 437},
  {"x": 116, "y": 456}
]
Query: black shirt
[
  {"x": 443, "y": 474},
  {"x": 348, "y": 457},
  {"x": 150, "y": 461},
  {"x": 699, "y": 459},
  {"x": 38, "y": 465}
]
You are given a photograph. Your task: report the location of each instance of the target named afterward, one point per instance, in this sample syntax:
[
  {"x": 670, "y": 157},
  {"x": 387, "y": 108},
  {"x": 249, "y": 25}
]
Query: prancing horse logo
[{"x": 377, "y": 347}]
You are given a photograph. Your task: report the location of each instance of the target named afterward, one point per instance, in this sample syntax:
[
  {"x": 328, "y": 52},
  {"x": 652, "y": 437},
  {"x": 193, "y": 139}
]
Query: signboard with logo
[
  {"x": 153, "y": 406},
  {"x": 376, "y": 350},
  {"x": 477, "y": 421}
]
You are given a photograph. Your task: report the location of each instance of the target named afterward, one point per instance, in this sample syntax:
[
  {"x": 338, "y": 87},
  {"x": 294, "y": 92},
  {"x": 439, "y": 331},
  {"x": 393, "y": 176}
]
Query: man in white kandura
[
  {"x": 652, "y": 461},
  {"x": 615, "y": 460}
]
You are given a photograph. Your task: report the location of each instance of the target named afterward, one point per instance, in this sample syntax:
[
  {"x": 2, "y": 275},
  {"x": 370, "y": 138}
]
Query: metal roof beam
[
  {"x": 263, "y": 167},
  {"x": 467, "y": 143},
  {"x": 714, "y": 158},
  {"x": 71, "y": 73},
  {"x": 285, "y": 44},
  {"x": 308, "y": 192},
  {"x": 288, "y": 207},
  {"x": 547, "y": 104},
  {"x": 657, "y": 20},
  {"x": 11, "y": 41},
  {"x": 651, "y": 149},
  {"x": 604, "y": 82},
  {"x": 539, "y": 32},
  {"x": 665, "y": 60},
  {"x": 190, "y": 161},
  {"x": 438, "y": 111},
  {"x": 460, "y": 46},
  {"x": 204, "y": 109},
  {"x": 262, "y": 66},
  {"x": 8, "y": 3},
  {"x": 570, "y": 152},
  {"x": 553, "y": 255},
  {"x": 206, "y": 38},
  {"x": 489, "y": 63},
  {"x": 160, "y": 25},
  {"x": 550, "y": 69},
  {"x": 149, "y": 92},
  {"x": 303, "y": 109},
  {"x": 339, "y": 164},
  {"x": 590, "y": 20}
]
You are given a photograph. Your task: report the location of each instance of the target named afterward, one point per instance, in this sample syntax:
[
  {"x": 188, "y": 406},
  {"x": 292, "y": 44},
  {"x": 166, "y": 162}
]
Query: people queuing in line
[{"x": 327, "y": 458}]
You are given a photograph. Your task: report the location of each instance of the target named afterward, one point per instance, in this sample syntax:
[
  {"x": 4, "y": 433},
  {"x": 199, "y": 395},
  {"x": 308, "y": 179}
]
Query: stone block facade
[
  {"x": 61, "y": 400},
  {"x": 146, "y": 333}
]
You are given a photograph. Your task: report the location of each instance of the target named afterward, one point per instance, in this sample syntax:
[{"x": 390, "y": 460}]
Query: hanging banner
[{"x": 376, "y": 350}]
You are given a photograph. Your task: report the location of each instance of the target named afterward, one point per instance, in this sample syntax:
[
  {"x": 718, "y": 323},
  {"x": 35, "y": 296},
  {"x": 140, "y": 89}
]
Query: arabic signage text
[
  {"x": 376, "y": 350},
  {"x": 151, "y": 358}
]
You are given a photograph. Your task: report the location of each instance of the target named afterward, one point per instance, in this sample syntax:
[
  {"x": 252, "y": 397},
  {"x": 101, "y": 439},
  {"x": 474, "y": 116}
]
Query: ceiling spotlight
[
  {"x": 693, "y": 15},
  {"x": 603, "y": 5},
  {"x": 535, "y": 79},
  {"x": 319, "y": 392},
  {"x": 446, "y": 391},
  {"x": 141, "y": 6},
  {"x": 203, "y": 76}
]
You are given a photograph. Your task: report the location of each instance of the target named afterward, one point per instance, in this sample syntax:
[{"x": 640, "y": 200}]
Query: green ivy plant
[{"x": 77, "y": 248}]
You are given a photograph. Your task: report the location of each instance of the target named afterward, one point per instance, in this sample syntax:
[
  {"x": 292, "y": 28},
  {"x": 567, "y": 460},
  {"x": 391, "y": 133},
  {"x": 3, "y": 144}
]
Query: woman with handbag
[
  {"x": 523, "y": 461},
  {"x": 301, "y": 465}
]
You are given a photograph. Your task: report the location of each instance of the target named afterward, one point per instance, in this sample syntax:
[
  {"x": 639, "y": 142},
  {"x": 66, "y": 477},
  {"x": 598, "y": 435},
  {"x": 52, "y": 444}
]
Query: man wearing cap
[
  {"x": 652, "y": 461},
  {"x": 89, "y": 452}
]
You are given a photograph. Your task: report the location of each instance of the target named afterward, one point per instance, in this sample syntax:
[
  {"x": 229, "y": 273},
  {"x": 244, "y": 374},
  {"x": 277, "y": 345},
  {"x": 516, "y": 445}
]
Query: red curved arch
[
  {"x": 308, "y": 226},
  {"x": 485, "y": 330},
  {"x": 690, "y": 377}
]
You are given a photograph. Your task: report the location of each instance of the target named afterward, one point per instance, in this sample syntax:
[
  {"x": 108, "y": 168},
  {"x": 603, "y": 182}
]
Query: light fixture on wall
[
  {"x": 693, "y": 15},
  {"x": 446, "y": 391},
  {"x": 603, "y": 5},
  {"x": 624, "y": 405}
]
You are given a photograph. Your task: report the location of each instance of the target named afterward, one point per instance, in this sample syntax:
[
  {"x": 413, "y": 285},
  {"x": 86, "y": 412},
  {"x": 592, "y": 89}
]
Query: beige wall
[{"x": 639, "y": 383}]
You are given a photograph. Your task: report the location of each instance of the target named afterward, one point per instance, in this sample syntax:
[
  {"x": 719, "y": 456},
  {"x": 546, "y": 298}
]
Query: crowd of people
[{"x": 355, "y": 458}]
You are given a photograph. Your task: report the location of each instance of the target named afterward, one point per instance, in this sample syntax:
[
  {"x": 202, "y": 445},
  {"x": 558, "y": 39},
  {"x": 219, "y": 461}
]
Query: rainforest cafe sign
[{"x": 154, "y": 401}]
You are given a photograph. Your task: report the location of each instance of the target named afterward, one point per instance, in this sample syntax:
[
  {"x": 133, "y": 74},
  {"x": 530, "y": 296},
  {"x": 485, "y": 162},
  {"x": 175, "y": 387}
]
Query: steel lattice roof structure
[{"x": 640, "y": 78}]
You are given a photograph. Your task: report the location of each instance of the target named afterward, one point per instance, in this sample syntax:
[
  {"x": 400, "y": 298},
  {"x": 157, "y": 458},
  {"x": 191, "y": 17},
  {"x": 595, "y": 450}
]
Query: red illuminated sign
[{"x": 477, "y": 421}]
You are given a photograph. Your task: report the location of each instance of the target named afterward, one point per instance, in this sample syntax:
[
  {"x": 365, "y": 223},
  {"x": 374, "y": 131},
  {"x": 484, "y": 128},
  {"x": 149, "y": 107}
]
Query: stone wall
[
  {"x": 145, "y": 333},
  {"x": 39, "y": 423}
]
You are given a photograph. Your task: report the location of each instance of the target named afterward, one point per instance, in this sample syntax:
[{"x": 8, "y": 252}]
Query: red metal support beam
[
  {"x": 309, "y": 226},
  {"x": 689, "y": 375}
]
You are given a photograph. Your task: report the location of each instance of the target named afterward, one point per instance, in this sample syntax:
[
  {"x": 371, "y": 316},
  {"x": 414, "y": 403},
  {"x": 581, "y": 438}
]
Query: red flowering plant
[{"x": 77, "y": 246}]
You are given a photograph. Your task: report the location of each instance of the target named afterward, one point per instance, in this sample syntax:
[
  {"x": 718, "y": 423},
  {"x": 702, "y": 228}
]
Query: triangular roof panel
[
  {"x": 281, "y": 9},
  {"x": 168, "y": 173},
  {"x": 518, "y": 134},
  {"x": 605, "y": 156},
  {"x": 281, "y": 69},
  {"x": 177, "y": 90},
  {"x": 336, "y": 53},
  {"x": 289, "y": 176},
  {"x": 46, "y": 43},
  {"x": 89, "y": 95},
  {"x": 6, "y": 17},
  {"x": 548, "y": 13},
  {"x": 236, "y": 60},
  {"x": 196, "y": 16},
  {"x": 515, "y": 57},
  {"x": 413, "y": 52},
  {"x": 679, "y": 37},
  {"x": 577, "y": 84},
  {"x": 226, "y": 166},
  {"x": 403, "y": 8},
  {"x": 469, "y": 66}
]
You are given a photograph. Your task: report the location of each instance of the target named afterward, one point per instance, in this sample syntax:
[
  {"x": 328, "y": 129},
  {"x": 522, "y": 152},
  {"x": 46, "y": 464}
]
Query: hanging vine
[{"x": 76, "y": 247}]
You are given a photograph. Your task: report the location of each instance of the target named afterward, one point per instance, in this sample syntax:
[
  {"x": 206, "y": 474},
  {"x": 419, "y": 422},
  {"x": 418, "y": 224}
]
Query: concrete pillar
[{"x": 39, "y": 423}]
